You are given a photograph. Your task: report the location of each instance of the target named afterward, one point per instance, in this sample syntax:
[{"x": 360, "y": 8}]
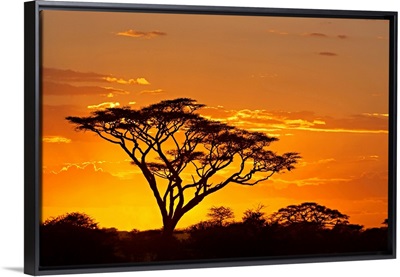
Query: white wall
[{"x": 11, "y": 149}]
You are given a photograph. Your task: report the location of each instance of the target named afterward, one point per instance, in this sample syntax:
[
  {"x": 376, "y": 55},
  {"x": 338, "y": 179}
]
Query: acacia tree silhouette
[
  {"x": 309, "y": 212},
  {"x": 219, "y": 215},
  {"x": 184, "y": 141}
]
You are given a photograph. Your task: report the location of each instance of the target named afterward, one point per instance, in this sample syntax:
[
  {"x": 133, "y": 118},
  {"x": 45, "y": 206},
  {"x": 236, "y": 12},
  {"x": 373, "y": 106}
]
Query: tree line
[{"x": 296, "y": 230}]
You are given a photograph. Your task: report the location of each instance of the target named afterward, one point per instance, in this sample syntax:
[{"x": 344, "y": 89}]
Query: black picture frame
[{"x": 33, "y": 134}]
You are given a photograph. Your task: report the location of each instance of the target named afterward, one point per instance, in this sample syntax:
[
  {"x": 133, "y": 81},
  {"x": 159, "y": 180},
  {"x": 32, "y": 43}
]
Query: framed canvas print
[{"x": 166, "y": 136}]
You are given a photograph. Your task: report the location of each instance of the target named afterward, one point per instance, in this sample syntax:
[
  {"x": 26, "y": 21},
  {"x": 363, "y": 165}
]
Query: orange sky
[{"x": 319, "y": 85}]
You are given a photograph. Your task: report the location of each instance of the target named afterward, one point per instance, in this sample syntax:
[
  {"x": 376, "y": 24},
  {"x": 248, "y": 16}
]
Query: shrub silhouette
[
  {"x": 75, "y": 239},
  {"x": 255, "y": 217}
]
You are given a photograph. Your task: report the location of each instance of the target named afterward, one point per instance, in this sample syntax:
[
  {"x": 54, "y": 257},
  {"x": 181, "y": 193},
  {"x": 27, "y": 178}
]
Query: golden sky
[{"x": 318, "y": 84}]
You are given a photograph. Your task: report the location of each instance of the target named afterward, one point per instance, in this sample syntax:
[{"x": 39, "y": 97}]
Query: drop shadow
[{"x": 15, "y": 269}]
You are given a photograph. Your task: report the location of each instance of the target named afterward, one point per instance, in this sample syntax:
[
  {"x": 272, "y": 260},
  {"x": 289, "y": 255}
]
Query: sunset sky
[{"x": 320, "y": 85}]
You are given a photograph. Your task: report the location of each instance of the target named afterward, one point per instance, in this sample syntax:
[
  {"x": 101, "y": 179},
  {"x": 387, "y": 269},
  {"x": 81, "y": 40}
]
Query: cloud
[
  {"x": 320, "y": 35},
  {"x": 376, "y": 114},
  {"x": 317, "y": 162},
  {"x": 141, "y": 34},
  {"x": 155, "y": 91},
  {"x": 104, "y": 105},
  {"x": 67, "y": 75},
  {"x": 142, "y": 81},
  {"x": 116, "y": 90},
  {"x": 98, "y": 192},
  {"x": 70, "y": 166},
  {"x": 319, "y": 122},
  {"x": 137, "y": 81},
  {"x": 329, "y": 54},
  {"x": 276, "y": 121},
  {"x": 54, "y": 122},
  {"x": 312, "y": 34},
  {"x": 365, "y": 185},
  {"x": 339, "y": 130},
  {"x": 85, "y": 185},
  {"x": 369, "y": 158},
  {"x": 58, "y": 89},
  {"x": 56, "y": 139},
  {"x": 313, "y": 181}
]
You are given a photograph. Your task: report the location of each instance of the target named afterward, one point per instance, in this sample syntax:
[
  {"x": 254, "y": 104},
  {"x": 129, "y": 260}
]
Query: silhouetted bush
[{"x": 75, "y": 239}]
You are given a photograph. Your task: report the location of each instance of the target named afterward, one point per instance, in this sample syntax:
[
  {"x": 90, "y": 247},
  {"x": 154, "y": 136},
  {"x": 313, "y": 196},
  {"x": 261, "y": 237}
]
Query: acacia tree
[
  {"x": 219, "y": 215},
  {"x": 170, "y": 138},
  {"x": 309, "y": 212}
]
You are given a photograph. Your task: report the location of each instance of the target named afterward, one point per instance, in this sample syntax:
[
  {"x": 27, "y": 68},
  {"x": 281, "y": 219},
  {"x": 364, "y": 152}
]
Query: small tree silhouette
[
  {"x": 185, "y": 144},
  {"x": 220, "y": 215},
  {"x": 75, "y": 239},
  {"x": 309, "y": 212},
  {"x": 74, "y": 219},
  {"x": 255, "y": 217}
]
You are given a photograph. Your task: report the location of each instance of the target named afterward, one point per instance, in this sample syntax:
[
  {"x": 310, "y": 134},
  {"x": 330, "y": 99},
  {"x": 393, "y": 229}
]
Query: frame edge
[
  {"x": 393, "y": 112},
  {"x": 32, "y": 132},
  {"x": 31, "y": 172}
]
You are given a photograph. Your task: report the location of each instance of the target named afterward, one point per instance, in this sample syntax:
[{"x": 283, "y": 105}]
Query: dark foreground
[{"x": 69, "y": 245}]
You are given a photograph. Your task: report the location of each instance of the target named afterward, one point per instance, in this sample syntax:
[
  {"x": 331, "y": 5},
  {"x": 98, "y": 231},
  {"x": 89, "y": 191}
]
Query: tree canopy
[
  {"x": 74, "y": 219},
  {"x": 309, "y": 212},
  {"x": 170, "y": 139},
  {"x": 220, "y": 215}
]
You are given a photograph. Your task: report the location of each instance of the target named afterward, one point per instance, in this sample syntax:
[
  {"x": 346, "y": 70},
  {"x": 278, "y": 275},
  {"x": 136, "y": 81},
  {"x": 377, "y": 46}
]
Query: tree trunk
[
  {"x": 167, "y": 244},
  {"x": 168, "y": 228}
]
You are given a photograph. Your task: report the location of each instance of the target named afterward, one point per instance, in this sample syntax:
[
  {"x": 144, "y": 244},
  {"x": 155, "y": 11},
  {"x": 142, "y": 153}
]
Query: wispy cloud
[
  {"x": 317, "y": 162},
  {"x": 376, "y": 114},
  {"x": 314, "y": 181},
  {"x": 328, "y": 54},
  {"x": 104, "y": 105},
  {"x": 79, "y": 166},
  {"x": 277, "y": 121},
  {"x": 370, "y": 158},
  {"x": 155, "y": 91},
  {"x": 309, "y": 34},
  {"x": 56, "y": 139},
  {"x": 137, "y": 81},
  {"x": 354, "y": 188},
  {"x": 318, "y": 35},
  {"x": 140, "y": 34},
  {"x": 58, "y": 89},
  {"x": 67, "y": 75},
  {"x": 339, "y": 130}
]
